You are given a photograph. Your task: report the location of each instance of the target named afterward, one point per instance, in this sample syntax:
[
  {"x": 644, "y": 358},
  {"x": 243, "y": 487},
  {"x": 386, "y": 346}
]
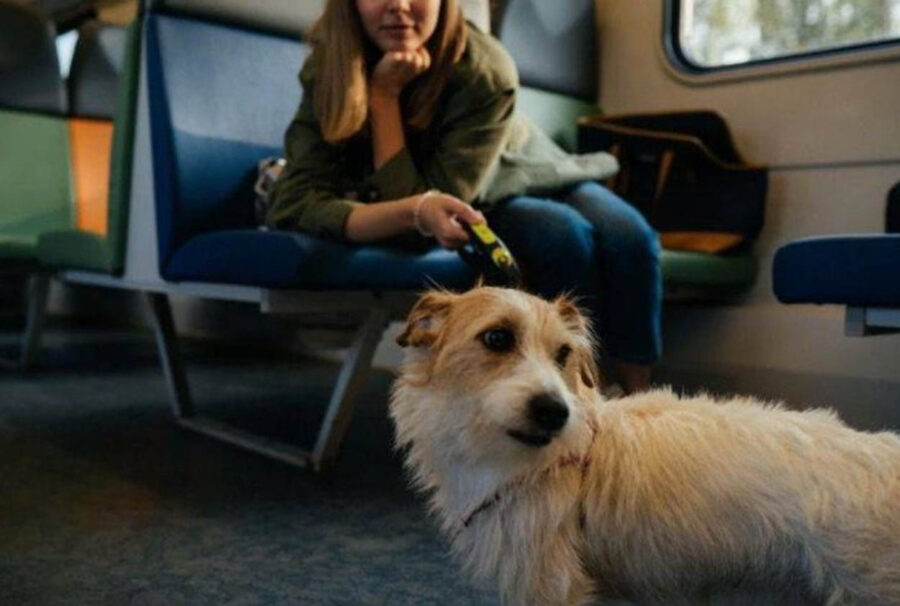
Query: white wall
[{"x": 832, "y": 138}]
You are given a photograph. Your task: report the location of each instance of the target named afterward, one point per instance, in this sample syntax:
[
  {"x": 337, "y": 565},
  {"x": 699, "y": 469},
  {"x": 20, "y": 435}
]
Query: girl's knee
[
  {"x": 618, "y": 224},
  {"x": 547, "y": 226},
  {"x": 554, "y": 244},
  {"x": 642, "y": 239}
]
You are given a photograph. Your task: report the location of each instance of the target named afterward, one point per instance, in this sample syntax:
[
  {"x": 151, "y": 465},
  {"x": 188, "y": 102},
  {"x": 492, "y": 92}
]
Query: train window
[{"x": 711, "y": 34}]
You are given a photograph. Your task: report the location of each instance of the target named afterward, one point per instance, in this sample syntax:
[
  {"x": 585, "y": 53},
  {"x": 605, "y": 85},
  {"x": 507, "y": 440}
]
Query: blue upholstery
[
  {"x": 294, "y": 260},
  {"x": 856, "y": 270},
  {"x": 220, "y": 99}
]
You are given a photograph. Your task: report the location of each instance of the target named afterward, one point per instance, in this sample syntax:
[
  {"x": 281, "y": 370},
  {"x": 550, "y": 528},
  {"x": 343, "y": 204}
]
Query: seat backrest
[
  {"x": 122, "y": 153},
  {"x": 553, "y": 44},
  {"x": 103, "y": 89},
  {"x": 285, "y": 16},
  {"x": 29, "y": 68},
  {"x": 35, "y": 191},
  {"x": 478, "y": 12},
  {"x": 94, "y": 73},
  {"x": 36, "y": 194},
  {"x": 215, "y": 114},
  {"x": 554, "y": 47},
  {"x": 93, "y": 90},
  {"x": 220, "y": 99}
]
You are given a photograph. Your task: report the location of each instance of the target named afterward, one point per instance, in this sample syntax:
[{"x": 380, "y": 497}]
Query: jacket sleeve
[
  {"x": 473, "y": 127},
  {"x": 304, "y": 197}
]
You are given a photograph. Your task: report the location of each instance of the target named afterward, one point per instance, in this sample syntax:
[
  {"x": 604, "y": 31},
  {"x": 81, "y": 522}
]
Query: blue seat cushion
[
  {"x": 220, "y": 99},
  {"x": 857, "y": 270},
  {"x": 280, "y": 259}
]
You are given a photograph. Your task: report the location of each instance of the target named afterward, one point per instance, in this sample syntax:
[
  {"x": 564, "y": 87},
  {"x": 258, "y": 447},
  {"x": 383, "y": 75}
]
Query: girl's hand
[
  {"x": 441, "y": 214},
  {"x": 396, "y": 69}
]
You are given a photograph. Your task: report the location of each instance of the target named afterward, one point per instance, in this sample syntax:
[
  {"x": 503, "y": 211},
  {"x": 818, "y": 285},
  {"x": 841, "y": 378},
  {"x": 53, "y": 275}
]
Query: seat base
[
  {"x": 73, "y": 249},
  {"x": 337, "y": 416},
  {"x": 17, "y": 249},
  {"x": 867, "y": 321},
  {"x": 280, "y": 259},
  {"x": 705, "y": 276},
  {"x": 855, "y": 270}
]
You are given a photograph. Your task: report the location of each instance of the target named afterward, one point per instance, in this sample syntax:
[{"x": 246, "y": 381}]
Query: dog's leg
[{"x": 546, "y": 571}]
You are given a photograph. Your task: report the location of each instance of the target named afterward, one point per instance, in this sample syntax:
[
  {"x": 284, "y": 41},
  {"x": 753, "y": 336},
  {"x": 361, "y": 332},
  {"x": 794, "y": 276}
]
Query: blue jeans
[{"x": 594, "y": 245}]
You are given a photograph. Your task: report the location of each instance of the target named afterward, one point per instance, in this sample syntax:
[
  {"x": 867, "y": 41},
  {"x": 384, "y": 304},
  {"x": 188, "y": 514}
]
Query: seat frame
[
  {"x": 375, "y": 310},
  {"x": 141, "y": 275},
  {"x": 868, "y": 321}
]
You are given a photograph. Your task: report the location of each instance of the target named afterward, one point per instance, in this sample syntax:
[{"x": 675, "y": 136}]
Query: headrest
[
  {"x": 29, "y": 69},
  {"x": 94, "y": 75},
  {"x": 288, "y": 17},
  {"x": 283, "y": 16},
  {"x": 478, "y": 12},
  {"x": 553, "y": 44}
]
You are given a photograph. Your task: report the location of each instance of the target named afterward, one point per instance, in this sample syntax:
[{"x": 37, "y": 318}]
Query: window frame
[{"x": 863, "y": 52}]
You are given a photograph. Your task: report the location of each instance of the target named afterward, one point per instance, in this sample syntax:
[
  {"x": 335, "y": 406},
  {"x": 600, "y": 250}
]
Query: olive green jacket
[{"x": 477, "y": 148}]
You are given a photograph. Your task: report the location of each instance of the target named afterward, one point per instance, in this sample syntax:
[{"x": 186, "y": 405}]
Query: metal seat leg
[{"x": 337, "y": 417}]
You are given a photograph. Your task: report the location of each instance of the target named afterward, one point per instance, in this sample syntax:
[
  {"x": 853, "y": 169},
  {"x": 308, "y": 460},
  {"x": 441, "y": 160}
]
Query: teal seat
[
  {"x": 557, "y": 98},
  {"x": 35, "y": 184},
  {"x": 74, "y": 248},
  {"x": 686, "y": 275}
]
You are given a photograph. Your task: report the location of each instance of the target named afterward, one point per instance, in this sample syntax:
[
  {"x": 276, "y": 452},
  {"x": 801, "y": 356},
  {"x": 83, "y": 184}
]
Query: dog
[{"x": 560, "y": 497}]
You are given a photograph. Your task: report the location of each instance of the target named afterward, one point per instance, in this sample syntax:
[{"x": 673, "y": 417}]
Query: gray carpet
[{"x": 103, "y": 500}]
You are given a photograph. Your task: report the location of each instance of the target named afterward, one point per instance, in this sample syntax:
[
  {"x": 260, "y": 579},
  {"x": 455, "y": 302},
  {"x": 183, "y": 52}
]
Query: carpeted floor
[{"x": 103, "y": 500}]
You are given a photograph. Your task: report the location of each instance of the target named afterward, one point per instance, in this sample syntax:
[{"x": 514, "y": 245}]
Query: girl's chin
[{"x": 399, "y": 46}]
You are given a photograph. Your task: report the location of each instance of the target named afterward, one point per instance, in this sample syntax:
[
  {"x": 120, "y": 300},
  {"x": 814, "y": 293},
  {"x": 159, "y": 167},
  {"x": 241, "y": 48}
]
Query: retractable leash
[{"x": 489, "y": 256}]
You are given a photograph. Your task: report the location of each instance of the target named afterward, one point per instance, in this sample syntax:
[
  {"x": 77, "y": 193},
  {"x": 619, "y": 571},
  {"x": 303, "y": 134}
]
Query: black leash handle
[{"x": 488, "y": 255}]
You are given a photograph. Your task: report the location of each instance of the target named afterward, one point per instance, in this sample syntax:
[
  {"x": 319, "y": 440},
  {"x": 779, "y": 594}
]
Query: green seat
[
  {"x": 76, "y": 249},
  {"x": 704, "y": 273},
  {"x": 556, "y": 114},
  {"x": 35, "y": 184}
]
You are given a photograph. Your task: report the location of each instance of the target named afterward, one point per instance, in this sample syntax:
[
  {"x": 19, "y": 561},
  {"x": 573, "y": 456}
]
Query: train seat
[
  {"x": 213, "y": 116},
  {"x": 542, "y": 37},
  {"x": 102, "y": 92},
  {"x": 35, "y": 190},
  {"x": 860, "y": 271}
]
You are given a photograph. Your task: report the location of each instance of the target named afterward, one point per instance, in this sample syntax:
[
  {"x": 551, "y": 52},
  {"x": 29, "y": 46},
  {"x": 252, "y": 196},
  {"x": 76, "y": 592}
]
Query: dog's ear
[
  {"x": 574, "y": 318},
  {"x": 424, "y": 321},
  {"x": 588, "y": 371},
  {"x": 578, "y": 322}
]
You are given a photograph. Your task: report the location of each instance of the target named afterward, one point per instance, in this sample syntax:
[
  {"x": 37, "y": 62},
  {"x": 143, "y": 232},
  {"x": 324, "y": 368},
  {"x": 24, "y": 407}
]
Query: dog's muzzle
[{"x": 547, "y": 415}]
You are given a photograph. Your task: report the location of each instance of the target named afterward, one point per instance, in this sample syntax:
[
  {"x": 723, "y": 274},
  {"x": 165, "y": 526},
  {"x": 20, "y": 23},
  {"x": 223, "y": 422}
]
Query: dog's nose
[{"x": 548, "y": 412}]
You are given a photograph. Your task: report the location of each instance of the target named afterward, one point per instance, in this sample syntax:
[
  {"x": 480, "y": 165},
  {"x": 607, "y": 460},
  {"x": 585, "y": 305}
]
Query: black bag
[
  {"x": 892, "y": 215},
  {"x": 682, "y": 171}
]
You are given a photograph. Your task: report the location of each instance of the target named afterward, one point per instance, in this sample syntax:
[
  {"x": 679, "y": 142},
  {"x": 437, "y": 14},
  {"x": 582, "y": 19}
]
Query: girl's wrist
[
  {"x": 419, "y": 204},
  {"x": 382, "y": 96}
]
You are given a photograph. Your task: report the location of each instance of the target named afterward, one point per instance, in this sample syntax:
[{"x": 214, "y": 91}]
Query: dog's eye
[
  {"x": 498, "y": 339},
  {"x": 562, "y": 355}
]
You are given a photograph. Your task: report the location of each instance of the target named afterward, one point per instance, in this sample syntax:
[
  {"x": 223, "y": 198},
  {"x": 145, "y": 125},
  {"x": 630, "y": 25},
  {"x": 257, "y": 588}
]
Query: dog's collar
[{"x": 569, "y": 460}]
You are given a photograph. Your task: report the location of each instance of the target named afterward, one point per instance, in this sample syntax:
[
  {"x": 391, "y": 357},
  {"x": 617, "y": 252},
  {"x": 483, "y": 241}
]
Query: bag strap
[{"x": 662, "y": 175}]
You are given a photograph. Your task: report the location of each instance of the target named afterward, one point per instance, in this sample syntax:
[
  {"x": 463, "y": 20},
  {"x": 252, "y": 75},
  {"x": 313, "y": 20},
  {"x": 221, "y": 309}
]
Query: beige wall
[{"x": 832, "y": 137}]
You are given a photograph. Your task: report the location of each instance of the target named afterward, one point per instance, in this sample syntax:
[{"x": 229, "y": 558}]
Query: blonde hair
[{"x": 340, "y": 95}]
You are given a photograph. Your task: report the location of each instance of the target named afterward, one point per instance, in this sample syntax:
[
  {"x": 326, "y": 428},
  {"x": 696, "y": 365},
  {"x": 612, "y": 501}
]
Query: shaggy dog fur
[{"x": 559, "y": 497}]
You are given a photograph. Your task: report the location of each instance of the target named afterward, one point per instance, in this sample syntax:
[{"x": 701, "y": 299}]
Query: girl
[{"x": 407, "y": 105}]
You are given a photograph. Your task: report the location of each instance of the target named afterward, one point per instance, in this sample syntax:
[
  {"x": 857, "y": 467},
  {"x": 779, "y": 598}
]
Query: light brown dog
[{"x": 559, "y": 497}]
